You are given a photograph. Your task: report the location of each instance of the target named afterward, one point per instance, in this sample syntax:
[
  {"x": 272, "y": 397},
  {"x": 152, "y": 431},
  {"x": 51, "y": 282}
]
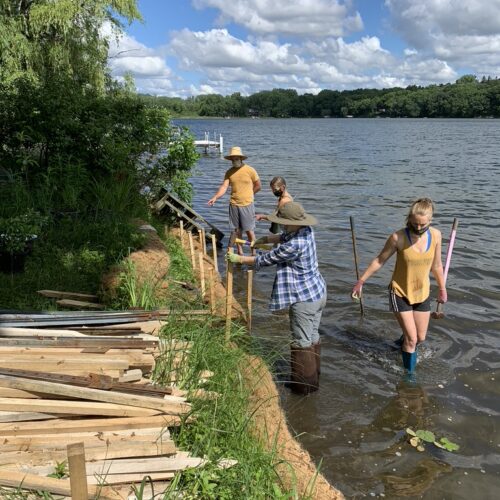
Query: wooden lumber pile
[{"x": 88, "y": 385}]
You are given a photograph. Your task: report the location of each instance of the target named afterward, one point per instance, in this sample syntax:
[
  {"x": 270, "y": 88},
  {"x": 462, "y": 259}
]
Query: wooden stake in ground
[
  {"x": 202, "y": 274},
  {"x": 229, "y": 295},
  {"x": 249, "y": 300},
  {"x": 77, "y": 472},
  {"x": 203, "y": 242},
  {"x": 211, "y": 284},
  {"x": 191, "y": 250},
  {"x": 181, "y": 232},
  {"x": 214, "y": 252}
]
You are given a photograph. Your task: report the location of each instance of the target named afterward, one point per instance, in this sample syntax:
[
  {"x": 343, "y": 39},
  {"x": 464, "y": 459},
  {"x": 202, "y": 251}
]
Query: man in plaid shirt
[{"x": 298, "y": 286}]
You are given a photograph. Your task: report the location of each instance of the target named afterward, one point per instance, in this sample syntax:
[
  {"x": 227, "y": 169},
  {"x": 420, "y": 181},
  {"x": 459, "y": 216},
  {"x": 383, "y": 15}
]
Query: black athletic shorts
[{"x": 401, "y": 304}]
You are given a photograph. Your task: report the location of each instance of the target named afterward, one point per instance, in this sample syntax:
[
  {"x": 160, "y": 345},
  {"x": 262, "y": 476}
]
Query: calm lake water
[{"x": 371, "y": 169}]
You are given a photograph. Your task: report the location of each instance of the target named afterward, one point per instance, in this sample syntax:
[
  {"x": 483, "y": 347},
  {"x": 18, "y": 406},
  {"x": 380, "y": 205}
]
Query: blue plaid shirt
[{"x": 297, "y": 276}]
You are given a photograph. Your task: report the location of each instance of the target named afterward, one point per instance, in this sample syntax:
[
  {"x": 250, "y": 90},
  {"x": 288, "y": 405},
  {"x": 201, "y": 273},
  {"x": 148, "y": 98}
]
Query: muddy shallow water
[{"x": 371, "y": 169}]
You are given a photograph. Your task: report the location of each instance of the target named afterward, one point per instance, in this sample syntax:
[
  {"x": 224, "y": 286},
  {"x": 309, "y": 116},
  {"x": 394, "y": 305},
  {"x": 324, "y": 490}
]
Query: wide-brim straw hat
[
  {"x": 235, "y": 152},
  {"x": 293, "y": 214}
]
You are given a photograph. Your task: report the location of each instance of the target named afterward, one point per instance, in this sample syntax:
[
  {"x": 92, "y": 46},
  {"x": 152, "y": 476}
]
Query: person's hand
[
  {"x": 234, "y": 258},
  {"x": 260, "y": 217},
  {"x": 211, "y": 201},
  {"x": 442, "y": 296},
  {"x": 357, "y": 290},
  {"x": 259, "y": 241}
]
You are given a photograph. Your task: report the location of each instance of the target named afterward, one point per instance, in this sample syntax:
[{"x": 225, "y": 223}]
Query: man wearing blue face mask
[
  {"x": 418, "y": 250},
  {"x": 298, "y": 286}
]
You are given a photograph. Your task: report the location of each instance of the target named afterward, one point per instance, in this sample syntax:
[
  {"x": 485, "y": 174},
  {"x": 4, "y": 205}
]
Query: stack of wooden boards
[{"x": 87, "y": 385}]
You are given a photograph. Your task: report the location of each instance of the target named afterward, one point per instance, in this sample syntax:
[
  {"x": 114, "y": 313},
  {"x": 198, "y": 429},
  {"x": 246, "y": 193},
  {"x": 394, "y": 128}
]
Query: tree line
[{"x": 468, "y": 97}]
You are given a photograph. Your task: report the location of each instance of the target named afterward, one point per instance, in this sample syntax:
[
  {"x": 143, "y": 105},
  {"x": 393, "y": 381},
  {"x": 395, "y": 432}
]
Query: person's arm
[
  {"x": 437, "y": 268},
  {"x": 390, "y": 247},
  {"x": 261, "y": 217},
  {"x": 257, "y": 186},
  {"x": 284, "y": 253},
  {"x": 221, "y": 192}
]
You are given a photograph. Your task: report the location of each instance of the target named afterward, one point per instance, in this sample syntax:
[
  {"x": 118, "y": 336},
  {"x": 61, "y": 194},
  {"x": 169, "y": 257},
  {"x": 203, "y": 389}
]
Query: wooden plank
[
  {"x": 81, "y": 342},
  {"x": 79, "y": 304},
  {"x": 117, "y": 479},
  {"x": 52, "y": 485},
  {"x": 49, "y": 364},
  {"x": 93, "y": 380},
  {"x": 93, "y": 424},
  {"x": 66, "y": 407},
  {"x": 77, "y": 472},
  {"x": 112, "y": 451},
  {"x": 55, "y": 294},
  {"x": 174, "y": 404},
  {"x": 37, "y": 332},
  {"x": 91, "y": 439},
  {"x": 131, "y": 376},
  {"x": 173, "y": 463},
  {"x": 15, "y": 416}
]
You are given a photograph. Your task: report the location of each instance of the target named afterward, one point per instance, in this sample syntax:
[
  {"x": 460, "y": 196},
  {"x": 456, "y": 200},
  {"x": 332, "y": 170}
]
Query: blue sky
[{"x": 191, "y": 47}]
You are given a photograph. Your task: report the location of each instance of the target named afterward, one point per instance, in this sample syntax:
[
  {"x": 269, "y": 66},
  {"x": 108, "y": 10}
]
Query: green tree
[{"x": 41, "y": 38}]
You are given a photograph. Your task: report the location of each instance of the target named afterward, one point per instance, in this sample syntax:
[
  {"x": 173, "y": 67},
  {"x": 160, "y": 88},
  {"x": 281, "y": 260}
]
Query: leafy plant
[
  {"x": 61, "y": 470},
  {"x": 419, "y": 437},
  {"x": 17, "y": 231}
]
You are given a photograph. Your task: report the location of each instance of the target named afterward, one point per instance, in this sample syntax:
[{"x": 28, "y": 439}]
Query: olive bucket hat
[{"x": 293, "y": 214}]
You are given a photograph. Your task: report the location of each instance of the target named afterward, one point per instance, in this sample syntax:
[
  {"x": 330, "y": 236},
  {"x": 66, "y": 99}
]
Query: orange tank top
[{"x": 410, "y": 278}]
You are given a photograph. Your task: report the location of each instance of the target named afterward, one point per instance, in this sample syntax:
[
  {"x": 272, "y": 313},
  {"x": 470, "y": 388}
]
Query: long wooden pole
[
  {"x": 77, "y": 471},
  {"x": 249, "y": 300},
  {"x": 181, "y": 232},
  {"x": 214, "y": 252},
  {"x": 203, "y": 242},
  {"x": 351, "y": 219}
]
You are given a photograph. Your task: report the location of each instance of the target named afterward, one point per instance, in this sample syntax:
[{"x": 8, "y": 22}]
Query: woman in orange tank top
[{"x": 418, "y": 253}]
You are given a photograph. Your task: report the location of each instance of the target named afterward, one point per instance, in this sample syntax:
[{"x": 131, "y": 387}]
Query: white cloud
[
  {"x": 463, "y": 32},
  {"x": 312, "y": 18}
]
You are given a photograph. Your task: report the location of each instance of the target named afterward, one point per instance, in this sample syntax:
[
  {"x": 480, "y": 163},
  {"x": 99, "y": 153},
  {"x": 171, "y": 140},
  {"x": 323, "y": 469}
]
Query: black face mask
[
  {"x": 277, "y": 193},
  {"x": 414, "y": 230}
]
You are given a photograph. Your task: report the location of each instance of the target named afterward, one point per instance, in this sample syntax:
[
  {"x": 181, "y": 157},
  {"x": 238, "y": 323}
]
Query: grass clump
[{"x": 223, "y": 419}]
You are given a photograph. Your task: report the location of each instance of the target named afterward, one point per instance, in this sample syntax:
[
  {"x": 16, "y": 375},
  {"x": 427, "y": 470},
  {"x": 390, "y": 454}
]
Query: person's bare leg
[
  {"x": 407, "y": 323},
  {"x": 421, "y": 319},
  {"x": 239, "y": 248}
]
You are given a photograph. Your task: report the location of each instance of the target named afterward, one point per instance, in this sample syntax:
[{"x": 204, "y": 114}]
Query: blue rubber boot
[{"x": 409, "y": 361}]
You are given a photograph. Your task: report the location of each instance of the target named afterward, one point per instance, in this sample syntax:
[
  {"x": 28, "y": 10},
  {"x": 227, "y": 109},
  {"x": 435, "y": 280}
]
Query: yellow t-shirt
[
  {"x": 241, "y": 180},
  {"x": 411, "y": 273}
]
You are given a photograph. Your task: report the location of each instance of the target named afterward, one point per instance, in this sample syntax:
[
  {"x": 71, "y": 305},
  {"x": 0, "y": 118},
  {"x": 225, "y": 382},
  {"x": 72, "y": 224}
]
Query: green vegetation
[
  {"x": 420, "y": 437},
  {"x": 222, "y": 425},
  {"x": 80, "y": 155},
  {"x": 466, "y": 98}
]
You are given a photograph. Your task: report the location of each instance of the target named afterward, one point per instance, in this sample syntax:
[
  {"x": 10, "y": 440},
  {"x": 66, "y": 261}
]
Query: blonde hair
[{"x": 422, "y": 206}]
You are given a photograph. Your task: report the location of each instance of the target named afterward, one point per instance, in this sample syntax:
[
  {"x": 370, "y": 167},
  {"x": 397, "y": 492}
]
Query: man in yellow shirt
[{"x": 244, "y": 182}]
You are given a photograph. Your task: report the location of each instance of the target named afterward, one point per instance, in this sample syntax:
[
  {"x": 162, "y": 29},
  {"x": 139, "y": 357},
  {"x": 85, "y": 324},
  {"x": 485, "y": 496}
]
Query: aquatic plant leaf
[
  {"x": 410, "y": 431},
  {"x": 448, "y": 445},
  {"x": 420, "y": 448},
  {"x": 415, "y": 441},
  {"x": 439, "y": 445},
  {"x": 427, "y": 436}
]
